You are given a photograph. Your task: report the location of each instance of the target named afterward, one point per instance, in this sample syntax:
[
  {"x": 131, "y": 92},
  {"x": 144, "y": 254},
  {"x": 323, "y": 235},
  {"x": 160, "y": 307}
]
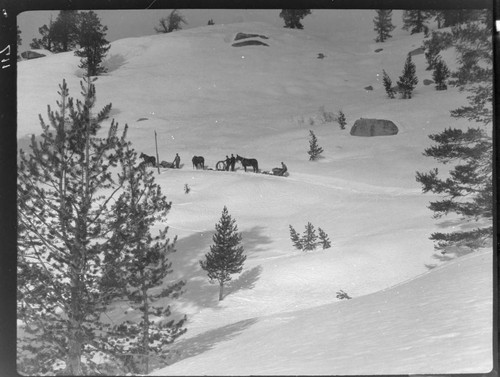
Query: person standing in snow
[
  {"x": 228, "y": 162},
  {"x": 177, "y": 161},
  {"x": 233, "y": 161}
]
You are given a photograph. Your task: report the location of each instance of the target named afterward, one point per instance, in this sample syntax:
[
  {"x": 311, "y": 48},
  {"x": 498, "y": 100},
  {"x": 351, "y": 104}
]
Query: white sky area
[{"x": 136, "y": 23}]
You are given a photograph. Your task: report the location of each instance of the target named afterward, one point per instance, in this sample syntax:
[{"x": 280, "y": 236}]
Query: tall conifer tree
[
  {"x": 292, "y": 17},
  {"x": 414, "y": 20},
  {"x": 383, "y": 24},
  {"x": 92, "y": 42},
  {"x": 467, "y": 190},
  {"x": 142, "y": 266},
  {"x": 64, "y": 218}
]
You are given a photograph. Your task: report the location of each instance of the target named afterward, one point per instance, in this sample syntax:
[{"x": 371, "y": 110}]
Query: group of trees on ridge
[{"x": 85, "y": 235}]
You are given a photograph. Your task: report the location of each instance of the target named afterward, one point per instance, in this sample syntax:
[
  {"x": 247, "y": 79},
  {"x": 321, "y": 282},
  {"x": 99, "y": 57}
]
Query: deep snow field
[{"x": 413, "y": 310}]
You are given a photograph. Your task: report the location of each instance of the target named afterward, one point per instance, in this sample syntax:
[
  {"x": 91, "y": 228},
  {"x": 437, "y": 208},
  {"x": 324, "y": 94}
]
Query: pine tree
[
  {"x": 171, "y": 23},
  {"x": 142, "y": 266},
  {"x": 434, "y": 45},
  {"x": 441, "y": 74},
  {"x": 324, "y": 241},
  {"x": 408, "y": 80},
  {"x": 341, "y": 120},
  {"x": 93, "y": 44},
  {"x": 65, "y": 187},
  {"x": 388, "y": 84},
  {"x": 46, "y": 42},
  {"x": 292, "y": 17},
  {"x": 415, "y": 20},
  {"x": 65, "y": 30},
  {"x": 383, "y": 24},
  {"x": 294, "y": 236},
  {"x": 226, "y": 255},
  {"x": 467, "y": 190},
  {"x": 314, "y": 150},
  {"x": 309, "y": 238}
]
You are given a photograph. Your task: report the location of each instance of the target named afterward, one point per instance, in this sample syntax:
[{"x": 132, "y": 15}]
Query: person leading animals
[
  {"x": 228, "y": 163},
  {"x": 177, "y": 161}
]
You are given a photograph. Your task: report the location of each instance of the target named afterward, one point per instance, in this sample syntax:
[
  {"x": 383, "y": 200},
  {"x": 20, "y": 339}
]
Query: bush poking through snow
[
  {"x": 187, "y": 189},
  {"x": 341, "y": 120},
  {"x": 388, "y": 85},
  {"x": 314, "y": 149},
  {"x": 341, "y": 295},
  {"x": 294, "y": 236}
]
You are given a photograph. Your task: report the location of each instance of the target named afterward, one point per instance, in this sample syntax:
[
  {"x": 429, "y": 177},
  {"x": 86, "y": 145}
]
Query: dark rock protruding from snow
[
  {"x": 31, "y": 55},
  {"x": 417, "y": 51},
  {"x": 373, "y": 127},
  {"x": 245, "y": 36},
  {"x": 250, "y": 42},
  {"x": 428, "y": 82}
]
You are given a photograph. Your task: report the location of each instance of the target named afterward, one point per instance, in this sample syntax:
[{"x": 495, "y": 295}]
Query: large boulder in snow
[
  {"x": 373, "y": 127},
  {"x": 31, "y": 55}
]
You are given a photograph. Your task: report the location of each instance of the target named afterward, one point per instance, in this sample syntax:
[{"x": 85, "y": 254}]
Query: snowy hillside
[{"x": 412, "y": 311}]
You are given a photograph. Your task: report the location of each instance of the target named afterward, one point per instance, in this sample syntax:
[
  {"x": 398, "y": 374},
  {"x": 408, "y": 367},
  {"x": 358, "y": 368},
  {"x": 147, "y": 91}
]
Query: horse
[
  {"x": 248, "y": 162},
  {"x": 148, "y": 160},
  {"x": 198, "y": 161}
]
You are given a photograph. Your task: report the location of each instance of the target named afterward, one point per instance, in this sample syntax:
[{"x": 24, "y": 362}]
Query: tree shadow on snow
[
  {"x": 203, "y": 342},
  {"x": 114, "y": 62},
  {"x": 254, "y": 240},
  {"x": 246, "y": 280},
  {"x": 449, "y": 254}
]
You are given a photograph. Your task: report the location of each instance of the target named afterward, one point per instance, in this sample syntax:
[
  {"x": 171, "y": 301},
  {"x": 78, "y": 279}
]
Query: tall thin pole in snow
[{"x": 157, "y": 156}]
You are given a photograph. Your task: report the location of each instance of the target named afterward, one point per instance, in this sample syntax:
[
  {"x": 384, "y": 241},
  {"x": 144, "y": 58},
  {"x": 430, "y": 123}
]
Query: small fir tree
[
  {"x": 314, "y": 150},
  {"x": 388, "y": 85},
  {"x": 226, "y": 254},
  {"x": 93, "y": 44},
  {"x": 324, "y": 241},
  {"x": 292, "y": 17},
  {"x": 414, "y": 20},
  {"x": 383, "y": 24},
  {"x": 341, "y": 120},
  {"x": 309, "y": 238},
  {"x": 441, "y": 74},
  {"x": 172, "y": 22},
  {"x": 408, "y": 80},
  {"x": 294, "y": 236}
]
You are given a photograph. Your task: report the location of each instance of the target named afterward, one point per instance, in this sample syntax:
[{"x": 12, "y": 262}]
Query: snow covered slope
[
  {"x": 281, "y": 315},
  {"x": 419, "y": 327}
]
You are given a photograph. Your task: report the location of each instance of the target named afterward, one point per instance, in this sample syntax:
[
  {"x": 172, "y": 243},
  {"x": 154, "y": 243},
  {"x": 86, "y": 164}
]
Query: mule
[
  {"x": 248, "y": 162},
  {"x": 148, "y": 160},
  {"x": 198, "y": 162}
]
